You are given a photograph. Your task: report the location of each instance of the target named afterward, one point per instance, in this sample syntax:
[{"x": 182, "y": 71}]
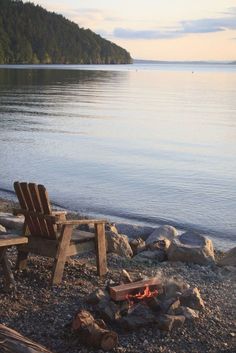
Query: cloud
[
  {"x": 92, "y": 18},
  {"x": 183, "y": 28},
  {"x": 145, "y": 34},
  {"x": 230, "y": 11}
]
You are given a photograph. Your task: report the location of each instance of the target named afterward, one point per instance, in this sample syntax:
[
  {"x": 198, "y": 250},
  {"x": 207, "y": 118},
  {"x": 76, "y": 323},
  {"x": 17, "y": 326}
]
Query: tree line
[{"x": 31, "y": 35}]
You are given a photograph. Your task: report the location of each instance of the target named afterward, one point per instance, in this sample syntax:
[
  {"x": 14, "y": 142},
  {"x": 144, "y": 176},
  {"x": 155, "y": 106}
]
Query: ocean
[{"x": 148, "y": 143}]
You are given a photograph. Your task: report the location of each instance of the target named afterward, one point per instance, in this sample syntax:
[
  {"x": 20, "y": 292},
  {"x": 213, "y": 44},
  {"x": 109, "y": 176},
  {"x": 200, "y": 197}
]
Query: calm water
[{"x": 145, "y": 143}]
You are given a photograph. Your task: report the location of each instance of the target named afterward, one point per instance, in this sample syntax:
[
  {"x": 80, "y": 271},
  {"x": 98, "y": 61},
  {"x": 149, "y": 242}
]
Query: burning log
[
  {"x": 122, "y": 291},
  {"x": 13, "y": 342},
  {"x": 94, "y": 332}
]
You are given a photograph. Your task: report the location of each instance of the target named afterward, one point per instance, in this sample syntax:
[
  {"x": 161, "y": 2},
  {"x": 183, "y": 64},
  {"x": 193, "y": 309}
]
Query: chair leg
[
  {"x": 21, "y": 262},
  {"x": 101, "y": 249},
  {"x": 59, "y": 265},
  {"x": 61, "y": 256}
]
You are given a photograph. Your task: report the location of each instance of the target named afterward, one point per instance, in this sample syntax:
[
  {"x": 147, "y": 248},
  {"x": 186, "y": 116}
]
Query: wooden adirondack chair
[{"x": 51, "y": 235}]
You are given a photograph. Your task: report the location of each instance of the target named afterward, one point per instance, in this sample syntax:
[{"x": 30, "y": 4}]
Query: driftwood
[
  {"x": 13, "y": 342},
  {"x": 93, "y": 332}
]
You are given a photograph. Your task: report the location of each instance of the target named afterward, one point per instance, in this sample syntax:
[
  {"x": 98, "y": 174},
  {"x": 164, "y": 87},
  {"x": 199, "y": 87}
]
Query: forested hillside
[{"x": 30, "y": 34}]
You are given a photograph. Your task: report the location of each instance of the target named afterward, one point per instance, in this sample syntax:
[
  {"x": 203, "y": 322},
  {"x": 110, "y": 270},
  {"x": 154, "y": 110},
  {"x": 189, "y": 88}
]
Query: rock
[
  {"x": 156, "y": 255},
  {"x": 160, "y": 244},
  {"x": 169, "y": 322},
  {"x": 191, "y": 247},
  {"x": 173, "y": 287},
  {"x": 155, "y": 304},
  {"x": 108, "y": 310},
  {"x": 173, "y": 307},
  {"x": 134, "y": 231},
  {"x": 110, "y": 227},
  {"x": 189, "y": 313},
  {"x": 137, "y": 245},
  {"x": 167, "y": 303},
  {"x": 119, "y": 244},
  {"x": 140, "y": 316},
  {"x": 192, "y": 298},
  {"x": 10, "y": 221},
  {"x": 229, "y": 258},
  {"x": 95, "y": 297},
  {"x": 2, "y": 229},
  {"x": 163, "y": 232}
]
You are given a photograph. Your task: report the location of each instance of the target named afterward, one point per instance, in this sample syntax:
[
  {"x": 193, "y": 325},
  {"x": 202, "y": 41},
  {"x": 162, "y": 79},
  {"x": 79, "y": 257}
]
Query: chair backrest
[{"x": 34, "y": 199}]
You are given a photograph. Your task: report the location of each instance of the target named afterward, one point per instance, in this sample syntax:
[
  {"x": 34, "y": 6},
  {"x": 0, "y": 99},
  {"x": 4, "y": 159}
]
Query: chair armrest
[{"x": 75, "y": 222}]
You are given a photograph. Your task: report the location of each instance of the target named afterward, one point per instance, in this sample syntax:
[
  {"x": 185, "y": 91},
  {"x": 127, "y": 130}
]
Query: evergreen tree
[{"x": 30, "y": 34}]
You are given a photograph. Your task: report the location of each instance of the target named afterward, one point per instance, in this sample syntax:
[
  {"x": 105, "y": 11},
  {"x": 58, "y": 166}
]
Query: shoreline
[{"x": 6, "y": 205}]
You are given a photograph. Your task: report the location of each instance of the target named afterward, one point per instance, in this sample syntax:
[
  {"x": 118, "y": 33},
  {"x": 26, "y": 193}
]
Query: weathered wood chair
[{"x": 51, "y": 235}]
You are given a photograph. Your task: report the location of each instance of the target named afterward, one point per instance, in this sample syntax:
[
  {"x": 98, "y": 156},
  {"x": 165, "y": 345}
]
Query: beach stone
[
  {"x": 169, "y": 322},
  {"x": 189, "y": 314},
  {"x": 156, "y": 255},
  {"x": 96, "y": 296},
  {"x": 191, "y": 247},
  {"x": 173, "y": 307},
  {"x": 140, "y": 316},
  {"x": 192, "y": 299},
  {"x": 162, "y": 244},
  {"x": 108, "y": 310},
  {"x": 2, "y": 229},
  {"x": 137, "y": 245},
  {"x": 163, "y": 232},
  {"x": 118, "y": 244},
  {"x": 111, "y": 227},
  {"x": 133, "y": 230},
  {"x": 229, "y": 258},
  {"x": 11, "y": 222},
  {"x": 173, "y": 287}
]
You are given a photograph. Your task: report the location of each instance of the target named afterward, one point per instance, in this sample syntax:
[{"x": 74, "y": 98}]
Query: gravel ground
[{"x": 42, "y": 313}]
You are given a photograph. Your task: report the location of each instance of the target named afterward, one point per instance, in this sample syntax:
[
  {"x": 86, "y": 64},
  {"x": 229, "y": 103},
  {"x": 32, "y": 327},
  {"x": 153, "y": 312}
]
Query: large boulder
[
  {"x": 191, "y": 247},
  {"x": 229, "y": 258},
  {"x": 147, "y": 255},
  {"x": 118, "y": 244},
  {"x": 137, "y": 245},
  {"x": 163, "y": 232},
  {"x": 11, "y": 222},
  {"x": 133, "y": 230}
]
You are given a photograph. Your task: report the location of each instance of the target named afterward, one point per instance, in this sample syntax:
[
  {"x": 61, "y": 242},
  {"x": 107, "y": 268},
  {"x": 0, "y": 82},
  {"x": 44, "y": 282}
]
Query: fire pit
[{"x": 167, "y": 304}]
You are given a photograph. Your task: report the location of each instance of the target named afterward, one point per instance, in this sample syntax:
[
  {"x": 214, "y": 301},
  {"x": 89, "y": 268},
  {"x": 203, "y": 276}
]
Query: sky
[{"x": 158, "y": 29}]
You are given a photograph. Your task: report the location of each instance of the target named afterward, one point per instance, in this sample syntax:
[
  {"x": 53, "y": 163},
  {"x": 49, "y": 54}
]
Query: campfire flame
[{"x": 147, "y": 293}]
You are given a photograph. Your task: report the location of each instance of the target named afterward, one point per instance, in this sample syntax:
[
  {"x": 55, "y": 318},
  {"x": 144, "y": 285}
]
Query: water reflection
[{"x": 37, "y": 77}]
